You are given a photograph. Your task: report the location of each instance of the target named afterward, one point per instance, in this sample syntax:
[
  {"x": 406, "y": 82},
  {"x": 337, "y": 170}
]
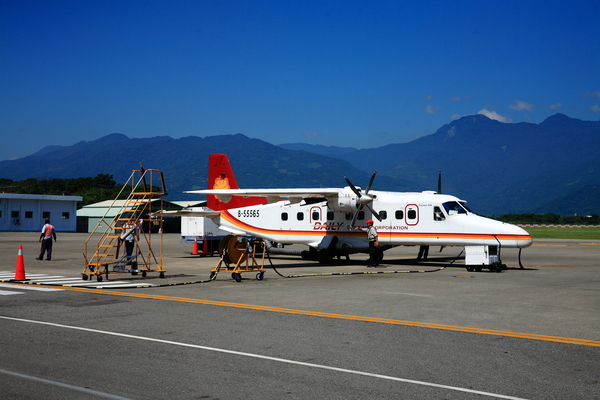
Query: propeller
[
  {"x": 439, "y": 182},
  {"x": 363, "y": 199}
]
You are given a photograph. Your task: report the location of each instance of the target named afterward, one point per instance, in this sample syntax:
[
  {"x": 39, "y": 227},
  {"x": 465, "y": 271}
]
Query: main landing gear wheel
[{"x": 499, "y": 267}]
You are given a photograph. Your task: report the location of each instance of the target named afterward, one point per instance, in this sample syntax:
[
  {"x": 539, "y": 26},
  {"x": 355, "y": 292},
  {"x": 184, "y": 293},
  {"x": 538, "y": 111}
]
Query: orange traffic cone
[
  {"x": 20, "y": 270},
  {"x": 205, "y": 246},
  {"x": 195, "y": 248}
]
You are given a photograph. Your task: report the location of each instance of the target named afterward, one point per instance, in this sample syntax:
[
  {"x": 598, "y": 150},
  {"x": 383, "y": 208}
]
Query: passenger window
[
  {"x": 438, "y": 215},
  {"x": 383, "y": 214},
  {"x": 330, "y": 215},
  {"x": 284, "y": 216},
  {"x": 300, "y": 216},
  {"x": 316, "y": 216},
  {"x": 361, "y": 215},
  {"x": 349, "y": 216},
  {"x": 399, "y": 214},
  {"x": 411, "y": 214}
]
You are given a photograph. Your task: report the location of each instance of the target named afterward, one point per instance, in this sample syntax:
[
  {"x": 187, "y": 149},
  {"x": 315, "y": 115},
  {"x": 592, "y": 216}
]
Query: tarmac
[
  {"x": 407, "y": 330},
  {"x": 560, "y": 281}
]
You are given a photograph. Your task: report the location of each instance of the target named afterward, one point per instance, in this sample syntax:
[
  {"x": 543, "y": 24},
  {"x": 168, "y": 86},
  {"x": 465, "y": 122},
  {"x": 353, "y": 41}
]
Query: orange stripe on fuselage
[{"x": 398, "y": 235}]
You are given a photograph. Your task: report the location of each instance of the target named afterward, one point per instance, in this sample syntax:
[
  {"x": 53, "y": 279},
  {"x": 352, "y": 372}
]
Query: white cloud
[
  {"x": 521, "y": 105},
  {"x": 494, "y": 115},
  {"x": 595, "y": 108},
  {"x": 311, "y": 134},
  {"x": 454, "y": 117},
  {"x": 592, "y": 95},
  {"x": 555, "y": 106},
  {"x": 458, "y": 99},
  {"x": 431, "y": 109},
  {"x": 428, "y": 97}
]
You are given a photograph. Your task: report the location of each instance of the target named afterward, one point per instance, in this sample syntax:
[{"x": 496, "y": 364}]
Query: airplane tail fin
[{"x": 220, "y": 176}]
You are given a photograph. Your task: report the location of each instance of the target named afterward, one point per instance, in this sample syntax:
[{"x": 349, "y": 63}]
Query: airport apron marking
[
  {"x": 269, "y": 358},
  {"x": 533, "y": 336}
]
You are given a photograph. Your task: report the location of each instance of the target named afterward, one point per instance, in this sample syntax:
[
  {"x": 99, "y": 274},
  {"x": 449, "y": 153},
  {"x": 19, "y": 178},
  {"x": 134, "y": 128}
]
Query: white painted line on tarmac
[
  {"x": 55, "y": 281},
  {"x": 40, "y": 289},
  {"x": 12, "y": 274},
  {"x": 8, "y": 293},
  {"x": 37, "y": 278},
  {"x": 98, "y": 284},
  {"x": 123, "y": 284},
  {"x": 63, "y": 385},
  {"x": 268, "y": 358}
]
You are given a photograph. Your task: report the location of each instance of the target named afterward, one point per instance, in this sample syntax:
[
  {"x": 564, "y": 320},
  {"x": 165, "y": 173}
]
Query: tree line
[{"x": 549, "y": 219}]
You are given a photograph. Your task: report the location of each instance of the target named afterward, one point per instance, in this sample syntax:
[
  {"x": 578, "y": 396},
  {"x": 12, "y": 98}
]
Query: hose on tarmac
[{"x": 356, "y": 272}]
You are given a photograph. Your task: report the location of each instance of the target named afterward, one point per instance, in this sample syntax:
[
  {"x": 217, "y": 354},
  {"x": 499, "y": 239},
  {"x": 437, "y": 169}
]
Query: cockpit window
[
  {"x": 438, "y": 215},
  {"x": 454, "y": 207},
  {"x": 464, "y": 205}
]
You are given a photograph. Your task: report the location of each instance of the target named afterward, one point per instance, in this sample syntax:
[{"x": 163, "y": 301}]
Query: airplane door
[
  {"x": 411, "y": 214},
  {"x": 315, "y": 214}
]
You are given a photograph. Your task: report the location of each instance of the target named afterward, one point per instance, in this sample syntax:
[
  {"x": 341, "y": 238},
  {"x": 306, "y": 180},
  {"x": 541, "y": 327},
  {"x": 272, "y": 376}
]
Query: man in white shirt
[
  {"x": 373, "y": 239},
  {"x": 48, "y": 232}
]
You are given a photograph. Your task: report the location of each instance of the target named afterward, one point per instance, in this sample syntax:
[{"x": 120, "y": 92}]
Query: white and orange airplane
[{"x": 324, "y": 218}]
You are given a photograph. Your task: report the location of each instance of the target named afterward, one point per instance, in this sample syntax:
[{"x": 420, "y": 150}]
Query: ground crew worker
[
  {"x": 373, "y": 239},
  {"x": 48, "y": 232},
  {"x": 133, "y": 235}
]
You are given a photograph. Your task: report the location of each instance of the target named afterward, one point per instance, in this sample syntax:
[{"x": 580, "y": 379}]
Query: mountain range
[{"x": 499, "y": 168}]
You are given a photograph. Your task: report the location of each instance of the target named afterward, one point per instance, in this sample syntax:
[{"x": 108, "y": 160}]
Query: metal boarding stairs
[{"x": 130, "y": 219}]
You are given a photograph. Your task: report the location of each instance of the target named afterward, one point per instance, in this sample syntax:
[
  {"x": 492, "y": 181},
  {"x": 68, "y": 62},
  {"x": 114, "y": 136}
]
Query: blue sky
[{"x": 345, "y": 73}]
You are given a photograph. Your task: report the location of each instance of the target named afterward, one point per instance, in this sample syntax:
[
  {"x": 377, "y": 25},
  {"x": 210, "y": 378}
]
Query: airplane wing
[{"x": 294, "y": 195}]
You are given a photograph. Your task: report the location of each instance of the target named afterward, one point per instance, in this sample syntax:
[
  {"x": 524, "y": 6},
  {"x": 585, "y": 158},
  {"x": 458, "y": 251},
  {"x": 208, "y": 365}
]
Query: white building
[
  {"x": 91, "y": 216},
  {"x": 27, "y": 212}
]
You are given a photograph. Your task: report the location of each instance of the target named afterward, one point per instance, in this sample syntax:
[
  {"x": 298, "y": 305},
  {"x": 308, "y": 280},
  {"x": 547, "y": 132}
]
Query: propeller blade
[
  {"x": 355, "y": 216},
  {"x": 439, "y": 182},
  {"x": 354, "y": 189},
  {"x": 363, "y": 200},
  {"x": 370, "y": 182},
  {"x": 375, "y": 213}
]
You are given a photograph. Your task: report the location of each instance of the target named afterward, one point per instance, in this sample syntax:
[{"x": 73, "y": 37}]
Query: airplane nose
[{"x": 524, "y": 238}]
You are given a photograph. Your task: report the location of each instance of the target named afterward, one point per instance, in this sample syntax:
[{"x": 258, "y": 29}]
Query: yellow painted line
[
  {"x": 557, "y": 339},
  {"x": 589, "y": 244}
]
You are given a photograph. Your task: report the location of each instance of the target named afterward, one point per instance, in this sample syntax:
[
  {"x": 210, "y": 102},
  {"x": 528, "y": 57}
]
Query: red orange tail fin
[{"x": 220, "y": 176}]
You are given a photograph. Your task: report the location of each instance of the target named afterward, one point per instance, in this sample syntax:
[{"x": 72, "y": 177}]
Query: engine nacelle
[{"x": 345, "y": 202}]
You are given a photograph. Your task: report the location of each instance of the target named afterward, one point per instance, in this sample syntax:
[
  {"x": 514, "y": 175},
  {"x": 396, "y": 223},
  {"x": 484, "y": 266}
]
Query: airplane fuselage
[{"x": 423, "y": 218}]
